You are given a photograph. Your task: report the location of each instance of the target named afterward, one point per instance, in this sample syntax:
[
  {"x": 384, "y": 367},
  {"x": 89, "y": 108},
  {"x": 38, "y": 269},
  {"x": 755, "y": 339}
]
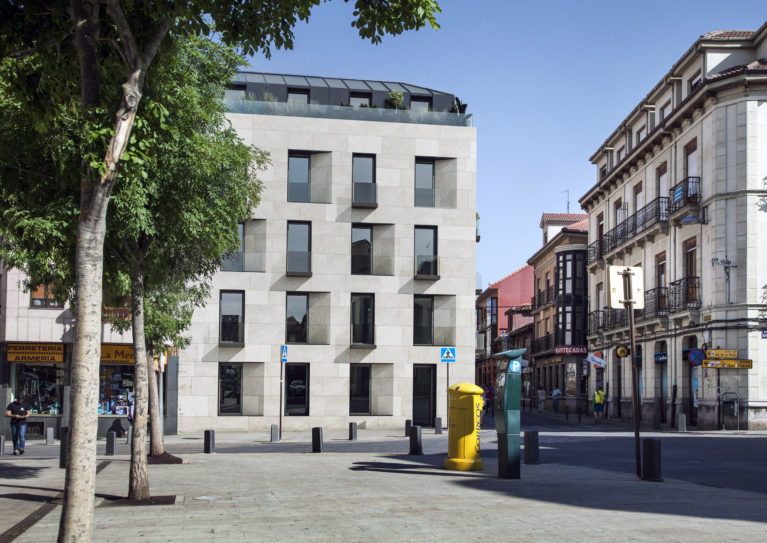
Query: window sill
[
  {"x": 303, "y": 343},
  {"x": 363, "y": 205},
  {"x": 362, "y": 346},
  {"x": 423, "y": 277},
  {"x": 298, "y": 274}
]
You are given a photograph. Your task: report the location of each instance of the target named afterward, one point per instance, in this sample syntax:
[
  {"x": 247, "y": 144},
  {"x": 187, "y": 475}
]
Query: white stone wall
[{"x": 396, "y": 147}]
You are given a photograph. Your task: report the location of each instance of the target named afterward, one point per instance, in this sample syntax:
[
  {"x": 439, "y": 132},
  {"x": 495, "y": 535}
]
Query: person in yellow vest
[{"x": 599, "y": 405}]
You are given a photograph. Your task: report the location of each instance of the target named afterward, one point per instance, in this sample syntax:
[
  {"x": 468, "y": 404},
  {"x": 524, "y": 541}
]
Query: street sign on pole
[
  {"x": 447, "y": 354},
  {"x": 617, "y": 292},
  {"x": 283, "y": 361},
  {"x": 284, "y": 355}
]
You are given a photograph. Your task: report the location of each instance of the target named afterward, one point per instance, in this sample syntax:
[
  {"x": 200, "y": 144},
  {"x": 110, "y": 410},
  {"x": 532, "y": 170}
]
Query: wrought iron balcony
[
  {"x": 655, "y": 303},
  {"x": 615, "y": 318},
  {"x": 595, "y": 322},
  {"x": 686, "y": 193},
  {"x": 544, "y": 343},
  {"x": 543, "y": 298},
  {"x": 653, "y": 213},
  {"x": 684, "y": 294}
]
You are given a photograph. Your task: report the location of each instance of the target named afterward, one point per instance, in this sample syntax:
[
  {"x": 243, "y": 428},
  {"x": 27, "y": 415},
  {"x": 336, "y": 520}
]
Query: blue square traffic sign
[{"x": 447, "y": 354}]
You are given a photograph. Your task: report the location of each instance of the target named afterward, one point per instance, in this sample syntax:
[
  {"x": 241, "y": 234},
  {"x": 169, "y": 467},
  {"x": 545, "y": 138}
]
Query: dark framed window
[
  {"x": 423, "y": 320},
  {"x": 296, "y": 318},
  {"x": 426, "y": 251},
  {"x": 359, "y": 389},
  {"x": 234, "y": 262},
  {"x": 299, "y": 248},
  {"x": 424, "y": 182},
  {"x": 43, "y": 297},
  {"x": 363, "y": 319},
  {"x": 362, "y": 249},
  {"x": 299, "y": 176},
  {"x": 298, "y": 96},
  {"x": 230, "y": 389},
  {"x": 297, "y": 390},
  {"x": 358, "y": 99},
  {"x": 364, "y": 180},
  {"x": 232, "y": 317}
]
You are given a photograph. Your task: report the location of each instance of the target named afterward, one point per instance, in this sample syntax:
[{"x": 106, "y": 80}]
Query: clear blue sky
[{"x": 547, "y": 82}]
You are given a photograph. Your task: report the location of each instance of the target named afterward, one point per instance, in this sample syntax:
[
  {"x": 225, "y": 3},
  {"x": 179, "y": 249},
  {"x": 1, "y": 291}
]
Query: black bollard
[
  {"x": 567, "y": 412},
  {"x": 408, "y": 425},
  {"x": 438, "y": 425},
  {"x": 651, "y": 460},
  {"x": 416, "y": 446},
  {"x": 352, "y": 431},
  {"x": 111, "y": 441},
  {"x": 64, "y": 433},
  {"x": 210, "y": 442},
  {"x": 580, "y": 415},
  {"x": 275, "y": 434},
  {"x": 532, "y": 455},
  {"x": 656, "y": 416},
  {"x": 317, "y": 439}
]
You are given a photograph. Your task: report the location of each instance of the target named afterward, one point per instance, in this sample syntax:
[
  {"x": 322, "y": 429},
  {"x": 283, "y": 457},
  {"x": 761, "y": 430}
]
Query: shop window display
[
  {"x": 116, "y": 389},
  {"x": 40, "y": 385}
]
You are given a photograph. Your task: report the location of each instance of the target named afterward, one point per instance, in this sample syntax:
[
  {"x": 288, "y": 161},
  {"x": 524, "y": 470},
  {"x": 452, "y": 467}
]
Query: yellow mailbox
[{"x": 466, "y": 406}]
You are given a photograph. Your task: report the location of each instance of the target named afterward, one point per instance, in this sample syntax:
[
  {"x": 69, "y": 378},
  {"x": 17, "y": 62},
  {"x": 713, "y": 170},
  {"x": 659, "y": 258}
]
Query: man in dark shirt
[{"x": 18, "y": 410}]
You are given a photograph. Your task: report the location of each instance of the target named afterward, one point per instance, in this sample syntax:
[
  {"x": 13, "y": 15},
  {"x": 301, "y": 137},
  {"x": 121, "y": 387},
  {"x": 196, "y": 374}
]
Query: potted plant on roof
[{"x": 394, "y": 99}]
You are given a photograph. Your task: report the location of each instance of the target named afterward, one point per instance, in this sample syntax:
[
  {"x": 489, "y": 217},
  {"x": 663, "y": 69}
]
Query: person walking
[
  {"x": 555, "y": 399},
  {"x": 18, "y": 411},
  {"x": 599, "y": 405},
  {"x": 541, "y": 398},
  {"x": 489, "y": 407}
]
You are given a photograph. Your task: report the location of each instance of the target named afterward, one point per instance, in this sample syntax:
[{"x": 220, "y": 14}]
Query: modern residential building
[
  {"x": 681, "y": 193},
  {"x": 559, "y": 308},
  {"x": 511, "y": 292},
  {"x": 359, "y": 259}
]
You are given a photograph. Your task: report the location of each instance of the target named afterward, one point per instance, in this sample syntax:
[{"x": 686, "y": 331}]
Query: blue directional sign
[
  {"x": 447, "y": 354},
  {"x": 284, "y": 355}
]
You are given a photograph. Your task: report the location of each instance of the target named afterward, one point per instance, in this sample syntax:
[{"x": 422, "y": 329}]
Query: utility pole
[{"x": 629, "y": 304}]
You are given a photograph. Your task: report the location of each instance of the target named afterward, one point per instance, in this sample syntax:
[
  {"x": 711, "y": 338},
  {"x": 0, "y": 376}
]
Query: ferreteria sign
[
  {"x": 116, "y": 354},
  {"x": 571, "y": 350},
  {"x": 36, "y": 352}
]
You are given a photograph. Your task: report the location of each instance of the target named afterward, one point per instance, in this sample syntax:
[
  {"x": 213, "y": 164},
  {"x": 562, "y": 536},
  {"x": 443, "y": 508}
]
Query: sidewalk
[{"x": 371, "y": 490}]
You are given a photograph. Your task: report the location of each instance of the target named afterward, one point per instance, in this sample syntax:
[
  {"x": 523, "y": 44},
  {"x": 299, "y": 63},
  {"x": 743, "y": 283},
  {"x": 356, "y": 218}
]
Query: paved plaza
[{"x": 373, "y": 490}]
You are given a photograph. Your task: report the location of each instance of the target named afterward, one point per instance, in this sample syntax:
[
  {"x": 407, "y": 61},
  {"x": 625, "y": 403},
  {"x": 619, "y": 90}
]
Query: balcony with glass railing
[
  {"x": 426, "y": 267},
  {"x": 299, "y": 263},
  {"x": 364, "y": 195}
]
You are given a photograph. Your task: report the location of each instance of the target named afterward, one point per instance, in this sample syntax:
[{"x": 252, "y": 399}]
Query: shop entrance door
[{"x": 424, "y": 394}]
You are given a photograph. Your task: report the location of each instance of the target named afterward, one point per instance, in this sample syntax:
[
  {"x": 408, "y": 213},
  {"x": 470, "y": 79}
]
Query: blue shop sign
[{"x": 661, "y": 357}]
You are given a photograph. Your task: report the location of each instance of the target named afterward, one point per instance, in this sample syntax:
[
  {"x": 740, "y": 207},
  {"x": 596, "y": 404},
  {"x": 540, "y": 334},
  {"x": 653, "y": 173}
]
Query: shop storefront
[{"x": 36, "y": 372}]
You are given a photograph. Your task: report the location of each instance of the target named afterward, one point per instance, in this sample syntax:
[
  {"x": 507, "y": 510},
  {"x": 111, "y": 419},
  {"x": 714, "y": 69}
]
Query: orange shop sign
[
  {"x": 116, "y": 354},
  {"x": 35, "y": 352}
]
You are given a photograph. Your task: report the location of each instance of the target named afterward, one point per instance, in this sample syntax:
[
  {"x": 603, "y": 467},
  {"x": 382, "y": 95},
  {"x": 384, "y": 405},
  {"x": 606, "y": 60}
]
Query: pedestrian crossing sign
[
  {"x": 284, "y": 355},
  {"x": 447, "y": 354}
]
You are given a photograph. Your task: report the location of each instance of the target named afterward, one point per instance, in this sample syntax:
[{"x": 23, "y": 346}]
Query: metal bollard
[
  {"x": 352, "y": 431},
  {"x": 580, "y": 415},
  {"x": 111, "y": 441},
  {"x": 656, "y": 416},
  {"x": 651, "y": 460},
  {"x": 275, "y": 434},
  {"x": 317, "y": 439},
  {"x": 210, "y": 442},
  {"x": 2, "y": 445},
  {"x": 438, "y": 425},
  {"x": 129, "y": 435},
  {"x": 408, "y": 425},
  {"x": 49, "y": 436},
  {"x": 532, "y": 455},
  {"x": 416, "y": 445},
  {"x": 681, "y": 422},
  {"x": 567, "y": 412},
  {"x": 64, "y": 437}
]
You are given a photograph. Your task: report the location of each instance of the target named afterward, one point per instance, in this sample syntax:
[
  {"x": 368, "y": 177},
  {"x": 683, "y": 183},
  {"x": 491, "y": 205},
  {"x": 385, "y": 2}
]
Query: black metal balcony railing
[
  {"x": 655, "y": 303},
  {"x": 615, "y": 318},
  {"x": 544, "y": 343},
  {"x": 684, "y": 294},
  {"x": 683, "y": 194},
  {"x": 654, "y": 212},
  {"x": 595, "y": 322},
  {"x": 543, "y": 298}
]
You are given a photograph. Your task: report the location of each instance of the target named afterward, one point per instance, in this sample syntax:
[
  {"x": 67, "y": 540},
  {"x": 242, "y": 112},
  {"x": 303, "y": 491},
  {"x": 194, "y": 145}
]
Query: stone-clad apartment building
[
  {"x": 360, "y": 258},
  {"x": 681, "y": 192}
]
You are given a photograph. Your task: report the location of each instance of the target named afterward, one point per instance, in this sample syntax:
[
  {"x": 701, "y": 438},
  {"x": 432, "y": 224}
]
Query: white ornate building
[{"x": 682, "y": 192}]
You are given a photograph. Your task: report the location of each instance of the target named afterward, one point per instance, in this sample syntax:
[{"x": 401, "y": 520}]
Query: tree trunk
[
  {"x": 155, "y": 416},
  {"x": 139, "y": 477},
  {"x": 76, "y": 521}
]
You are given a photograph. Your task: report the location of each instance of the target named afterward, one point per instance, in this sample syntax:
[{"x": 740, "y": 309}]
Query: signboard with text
[
  {"x": 35, "y": 352},
  {"x": 722, "y": 353},
  {"x": 570, "y": 350},
  {"x": 728, "y": 364},
  {"x": 117, "y": 354}
]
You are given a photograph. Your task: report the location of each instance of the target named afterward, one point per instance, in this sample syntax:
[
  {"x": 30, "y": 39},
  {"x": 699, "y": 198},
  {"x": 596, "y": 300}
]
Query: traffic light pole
[{"x": 629, "y": 304}]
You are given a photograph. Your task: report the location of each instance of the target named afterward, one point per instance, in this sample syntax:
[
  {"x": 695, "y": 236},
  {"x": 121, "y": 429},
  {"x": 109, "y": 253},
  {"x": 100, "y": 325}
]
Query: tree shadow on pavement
[{"x": 11, "y": 470}]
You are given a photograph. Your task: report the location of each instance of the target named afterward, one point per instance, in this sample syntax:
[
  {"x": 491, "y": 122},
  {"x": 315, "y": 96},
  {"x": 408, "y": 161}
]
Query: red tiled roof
[
  {"x": 729, "y": 34},
  {"x": 563, "y": 217},
  {"x": 580, "y": 225}
]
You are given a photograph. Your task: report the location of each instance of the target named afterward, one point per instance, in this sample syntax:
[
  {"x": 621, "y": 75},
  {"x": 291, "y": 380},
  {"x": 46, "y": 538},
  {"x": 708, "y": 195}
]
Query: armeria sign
[{"x": 570, "y": 350}]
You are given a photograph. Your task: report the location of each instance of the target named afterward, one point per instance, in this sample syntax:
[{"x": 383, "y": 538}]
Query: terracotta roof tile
[
  {"x": 730, "y": 34},
  {"x": 580, "y": 225}
]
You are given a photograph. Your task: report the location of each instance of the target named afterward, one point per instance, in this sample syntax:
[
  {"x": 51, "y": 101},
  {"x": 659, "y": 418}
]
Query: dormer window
[{"x": 695, "y": 81}]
